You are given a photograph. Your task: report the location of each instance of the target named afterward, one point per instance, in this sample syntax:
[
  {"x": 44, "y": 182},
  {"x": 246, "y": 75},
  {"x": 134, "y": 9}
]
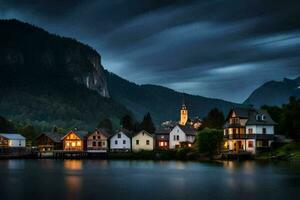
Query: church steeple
[{"x": 183, "y": 112}]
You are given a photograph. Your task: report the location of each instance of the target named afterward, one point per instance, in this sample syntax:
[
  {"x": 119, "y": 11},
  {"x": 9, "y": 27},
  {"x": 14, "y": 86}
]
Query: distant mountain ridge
[
  {"x": 275, "y": 92},
  {"x": 163, "y": 103}
]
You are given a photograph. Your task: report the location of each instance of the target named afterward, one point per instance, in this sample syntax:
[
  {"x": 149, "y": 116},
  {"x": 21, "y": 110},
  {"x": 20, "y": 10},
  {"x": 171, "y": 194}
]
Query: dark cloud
[{"x": 222, "y": 49}]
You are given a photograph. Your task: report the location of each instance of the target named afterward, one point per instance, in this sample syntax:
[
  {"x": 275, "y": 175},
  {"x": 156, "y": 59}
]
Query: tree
[
  {"x": 127, "y": 122},
  {"x": 106, "y": 124},
  {"x": 147, "y": 124},
  {"x": 214, "y": 119},
  {"x": 209, "y": 141},
  {"x": 5, "y": 125}
]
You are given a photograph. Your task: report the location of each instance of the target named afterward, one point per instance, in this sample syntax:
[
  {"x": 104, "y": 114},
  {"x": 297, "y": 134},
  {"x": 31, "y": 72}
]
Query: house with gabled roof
[
  {"x": 182, "y": 135},
  {"x": 248, "y": 129},
  {"x": 143, "y": 141},
  {"x": 121, "y": 140},
  {"x": 75, "y": 141},
  {"x": 97, "y": 141},
  {"x": 49, "y": 141},
  {"x": 162, "y": 138},
  {"x": 12, "y": 140}
]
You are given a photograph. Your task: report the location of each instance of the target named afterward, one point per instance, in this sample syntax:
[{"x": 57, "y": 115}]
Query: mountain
[
  {"x": 47, "y": 79},
  {"x": 275, "y": 92},
  {"x": 162, "y": 103}
]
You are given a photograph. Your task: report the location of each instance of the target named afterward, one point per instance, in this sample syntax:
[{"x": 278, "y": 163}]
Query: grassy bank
[{"x": 289, "y": 151}]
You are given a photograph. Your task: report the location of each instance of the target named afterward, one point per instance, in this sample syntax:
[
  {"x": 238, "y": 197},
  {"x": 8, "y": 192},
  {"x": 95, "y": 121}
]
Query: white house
[
  {"x": 12, "y": 140},
  {"x": 121, "y": 141},
  {"x": 181, "y": 134},
  {"x": 248, "y": 129},
  {"x": 142, "y": 141}
]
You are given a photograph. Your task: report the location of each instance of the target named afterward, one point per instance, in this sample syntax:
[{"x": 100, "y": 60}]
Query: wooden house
[
  {"x": 98, "y": 141},
  {"x": 162, "y": 138},
  {"x": 49, "y": 141},
  {"x": 75, "y": 141},
  {"x": 182, "y": 136},
  {"x": 143, "y": 141},
  {"x": 12, "y": 140}
]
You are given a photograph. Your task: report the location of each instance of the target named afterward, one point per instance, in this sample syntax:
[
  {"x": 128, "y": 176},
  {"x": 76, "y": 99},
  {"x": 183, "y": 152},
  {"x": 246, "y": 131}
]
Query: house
[
  {"x": 75, "y": 141},
  {"x": 12, "y": 140},
  {"x": 162, "y": 138},
  {"x": 120, "y": 141},
  {"x": 248, "y": 129},
  {"x": 98, "y": 141},
  {"x": 182, "y": 135},
  {"x": 49, "y": 141},
  {"x": 143, "y": 141}
]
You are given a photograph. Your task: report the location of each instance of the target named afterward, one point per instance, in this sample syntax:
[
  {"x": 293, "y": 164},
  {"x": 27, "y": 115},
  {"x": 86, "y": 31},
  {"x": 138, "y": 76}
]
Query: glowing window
[
  {"x": 73, "y": 144},
  {"x": 79, "y": 143}
]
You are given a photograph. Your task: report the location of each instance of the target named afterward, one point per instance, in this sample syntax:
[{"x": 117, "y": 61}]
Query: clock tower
[{"x": 183, "y": 114}]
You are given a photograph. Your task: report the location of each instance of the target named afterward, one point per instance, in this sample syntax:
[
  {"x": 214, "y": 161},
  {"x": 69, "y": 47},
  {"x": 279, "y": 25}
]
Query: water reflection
[{"x": 73, "y": 165}]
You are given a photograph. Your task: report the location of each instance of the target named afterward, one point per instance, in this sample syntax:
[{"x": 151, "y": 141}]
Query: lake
[{"x": 153, "y": 180}]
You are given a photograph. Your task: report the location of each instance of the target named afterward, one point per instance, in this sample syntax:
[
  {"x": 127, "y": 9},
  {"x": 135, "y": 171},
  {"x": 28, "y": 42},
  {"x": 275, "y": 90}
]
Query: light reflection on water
[{"x": 103, "y": 179}]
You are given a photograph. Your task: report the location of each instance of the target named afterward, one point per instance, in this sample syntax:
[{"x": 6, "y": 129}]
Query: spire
[{"x": 183, "y": 100}]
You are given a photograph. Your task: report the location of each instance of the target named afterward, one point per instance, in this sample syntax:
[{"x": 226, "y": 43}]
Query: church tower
[{"x": 183, "y": 113}]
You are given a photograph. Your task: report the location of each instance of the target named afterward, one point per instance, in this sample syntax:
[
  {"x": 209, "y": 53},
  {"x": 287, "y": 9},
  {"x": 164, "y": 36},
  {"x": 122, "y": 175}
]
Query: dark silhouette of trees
[
  {"x": 147, "y": 124},
  {"x": 214, "y": 119},
  {"x": 127, "y": 122},
  {"x": 106, "y": 124}
]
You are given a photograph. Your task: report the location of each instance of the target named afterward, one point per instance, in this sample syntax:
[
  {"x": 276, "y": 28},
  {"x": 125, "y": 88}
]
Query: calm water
[{"x": 90, "y": 179}]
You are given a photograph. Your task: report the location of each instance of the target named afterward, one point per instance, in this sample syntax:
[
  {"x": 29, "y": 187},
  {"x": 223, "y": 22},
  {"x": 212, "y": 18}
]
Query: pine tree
[
  {"x": 127, "y": 122},
  {"x": 105, "y": 124},
  {"x": 147, "y": 124}
]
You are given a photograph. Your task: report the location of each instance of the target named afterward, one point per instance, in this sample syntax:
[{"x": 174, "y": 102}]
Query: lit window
[
  {"x": 78, "y": 143},
  {"x": 73, "y": 144},
  {"x": 250, "y": 144},
  {"x": 189, "y": 145},
  {"x": 161, "y": 144}
]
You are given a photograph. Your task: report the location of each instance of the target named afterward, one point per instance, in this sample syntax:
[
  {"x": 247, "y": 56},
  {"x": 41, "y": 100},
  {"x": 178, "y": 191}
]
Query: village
[{"x": 247, "y": 131}]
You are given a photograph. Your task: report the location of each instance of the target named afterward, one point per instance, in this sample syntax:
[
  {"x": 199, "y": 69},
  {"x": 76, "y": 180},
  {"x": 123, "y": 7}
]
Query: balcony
[{"x": 249, "y": 136}]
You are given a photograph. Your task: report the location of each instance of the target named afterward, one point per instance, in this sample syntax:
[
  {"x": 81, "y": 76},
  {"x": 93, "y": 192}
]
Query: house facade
[
  {"x": 162, "y": 138},
  {"x": 143, "y": 141},
  {"x": 75, "y": 141},
  {"x": 181, "y": 136},
  {"x": 98, "y": 141},
  {"x": 49, "y": 141},
  {"x": 12, "y": 140},
  {"x": 120, "y": 141},
  {"x": 248, "y": 129}
]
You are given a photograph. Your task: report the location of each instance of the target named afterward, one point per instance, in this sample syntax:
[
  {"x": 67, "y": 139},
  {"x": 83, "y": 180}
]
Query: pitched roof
[
  {"x": 255, "y": 118},
  {"x": 55, "y": 137},
  {"x": 151, "y": 135},
  {"x": 162, "y": 131},
  {"x": 240, "y": 112},
  {"x": 12, "y": 136},
  {"x": 188, "y": 130},
  {"x": 80, "y": 134},
  {"x": 123, "y": 130},
  {"x": 103, "y": 131}
]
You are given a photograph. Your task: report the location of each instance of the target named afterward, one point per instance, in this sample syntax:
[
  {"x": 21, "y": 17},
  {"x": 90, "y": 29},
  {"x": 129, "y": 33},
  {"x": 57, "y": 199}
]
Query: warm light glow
[
  {"x": 161, "y": 144},
  {"x": 73, "y": 144},
  {"x": 189, "y": 145},
  {"x": 79, "y": 143}
]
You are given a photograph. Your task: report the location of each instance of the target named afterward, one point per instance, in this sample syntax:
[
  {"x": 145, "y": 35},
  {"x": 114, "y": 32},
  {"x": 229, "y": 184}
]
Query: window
[
  {"x": 234, "y": 131},
  {"x": 94, "y": 137},
  {"x": 147, "y": 142},
  {"x": 174, "y": 137},
  {"x": 263, "y": 117},
  {"x": 177, "y": 137},
  {"x": 137, "y": 142},
  {"x": 226, "y": 131},
  {"x": 250, "y": 144},
  {"x": 116, "y": 141},
  {"x": 99, "y": 144},
  {"x": 103, "y": 143},
  {"x": 250, "y": 130},
  {"x": 94, "y": 144},
  {"x": 119, "y": 135},
  {"x": 264, "y": 130},
  {"x": 99, "y": 137},
  {"x": 161, "y": 144},
  {"x": 124, "y": 141},
  {"x": 78, "y": 143}
]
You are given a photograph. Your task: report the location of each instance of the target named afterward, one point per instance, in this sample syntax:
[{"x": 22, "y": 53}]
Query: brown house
[
  {"x": 49, "y": 141},
  {"x": 75, "y": 141},
  {"x": 98, "y": 141},
  {"x": 162, "y": 138}
]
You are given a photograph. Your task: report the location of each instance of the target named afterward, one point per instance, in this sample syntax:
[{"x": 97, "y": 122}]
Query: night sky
[{"x": 222, "y": 49}]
